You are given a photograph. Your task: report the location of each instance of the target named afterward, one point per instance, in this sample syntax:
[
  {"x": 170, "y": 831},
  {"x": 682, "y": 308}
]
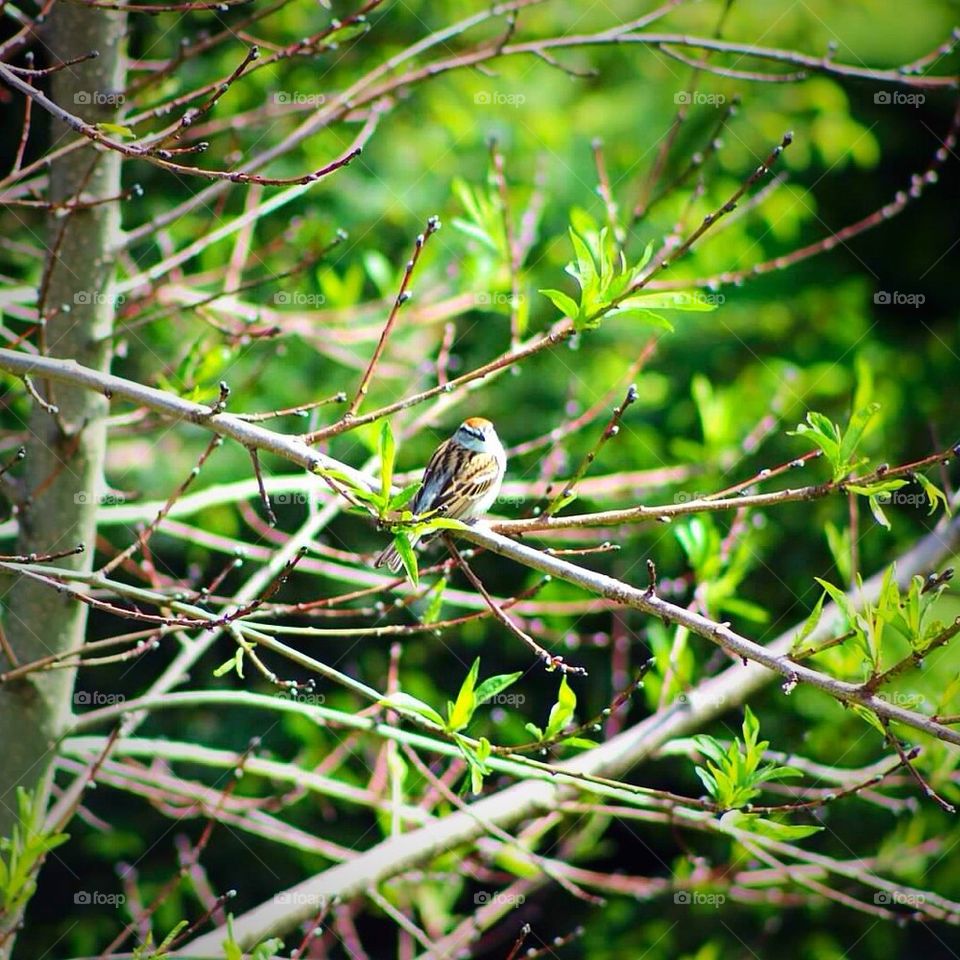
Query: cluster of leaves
[
  {"x": 734, "y": 776},
  {"x": 607, "y": 282},
  {"x": 460, "y": 713},
  {"x": 903, "y": 613},
  {"x": 841, "y": 450},
  {"x": 22, "y": 854}
]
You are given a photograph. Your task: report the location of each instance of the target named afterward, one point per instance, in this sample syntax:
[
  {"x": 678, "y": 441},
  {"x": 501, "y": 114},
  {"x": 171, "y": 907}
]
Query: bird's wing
[
  {"x": 436, "y": 475},
  {"x": 454, "y": 480}
]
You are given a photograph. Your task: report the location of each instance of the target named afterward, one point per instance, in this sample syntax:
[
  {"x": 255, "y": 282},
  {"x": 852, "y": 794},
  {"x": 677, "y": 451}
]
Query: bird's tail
[{"x": 389, "y": 557}]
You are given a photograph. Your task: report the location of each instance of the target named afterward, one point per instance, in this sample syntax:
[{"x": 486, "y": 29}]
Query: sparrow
[{"x": 460, "y": 482}]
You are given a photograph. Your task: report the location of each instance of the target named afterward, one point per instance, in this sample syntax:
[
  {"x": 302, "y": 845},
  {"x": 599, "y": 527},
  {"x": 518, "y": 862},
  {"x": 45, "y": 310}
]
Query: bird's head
[{"x": 477, "y": 433}]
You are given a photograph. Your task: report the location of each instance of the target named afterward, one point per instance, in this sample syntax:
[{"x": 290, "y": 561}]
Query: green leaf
[
  {"x": 580, "y": 743},
  {"x": 267, "y": 949},
  {"x": 388, "y": 451},
  {"x": 340, "y": 477},
  {"x": 379, "y": 271},
  {"x": 838, "y": 542},
  {"x": 767, "y": 828},
  {"x": 439, "y": 523},
  {"x": 934, "y": 494},
  {"x": 855, "y": 431},
  {"x": 117, "y": 129},
  {"x": 475, "y": 757},
  {"x": 407, "y": 557},
  {"x": 841, "y": 600},
  {"x": 810, "y": 624},
  {"x": 647, "y": 316},
  {"x": 708, "y": 781},
  {"x": 745, "y": 609},
  {"x": 534, "y": 731},
  {"x": 750, "y": 728},
  {"x": 709, "y": 747},
  {"x": 461, "y": 712},
  {"x": 670, "y": 300},
  {"x": 494, "y": 685},
  {"x": 824, "y": 433},
  {"x": 562, "y": 711},
  {"x": 565, "y": 304},
  {"x": 234, "y": 663},
  {"x": 564, "y": 502},
  {"x": 401, "y": 499},
  {"x": 586, "y": 266},
  {"x": 875, "y": 489},
  {"x": 870, "y": 717},
  {"x": 405, "y": 703},
  {"x": 477, "y": 233},
  {"x": 435, "y": 593},
  {"x": 878, "y": 513},
  {"x": 779, "y": 773}
]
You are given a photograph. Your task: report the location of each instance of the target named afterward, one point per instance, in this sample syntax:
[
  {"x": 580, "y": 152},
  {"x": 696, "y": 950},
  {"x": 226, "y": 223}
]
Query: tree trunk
[{"x": 65, "y": 452}]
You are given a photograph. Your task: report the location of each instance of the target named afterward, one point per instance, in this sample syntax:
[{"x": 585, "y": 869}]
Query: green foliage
[
  {"x": 839, "y": 446},
  {"x": 734, "y": 774},
  {"x": 561, "y": 714},
  {"x": 765, "y": 827},
  {"x": 262, "y": 951},
  {"x": 606, "y": 281},
  {"x": 459, "y": 712},
  {"x": 21, "y": 855},
  {"x": 908, "y": 615},
  {"x": 148, "y": 951}
]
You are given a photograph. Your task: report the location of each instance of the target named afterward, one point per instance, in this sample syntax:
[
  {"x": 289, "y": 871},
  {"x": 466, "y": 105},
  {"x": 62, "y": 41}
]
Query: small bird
[{"x": 461, "y": 481}]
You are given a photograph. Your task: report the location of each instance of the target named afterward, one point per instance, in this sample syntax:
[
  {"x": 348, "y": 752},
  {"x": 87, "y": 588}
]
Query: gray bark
[{"x": 62, "y": 474}]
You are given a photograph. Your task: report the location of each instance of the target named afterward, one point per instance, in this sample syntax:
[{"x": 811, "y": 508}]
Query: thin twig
[{"x": 433, "y": 225}]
